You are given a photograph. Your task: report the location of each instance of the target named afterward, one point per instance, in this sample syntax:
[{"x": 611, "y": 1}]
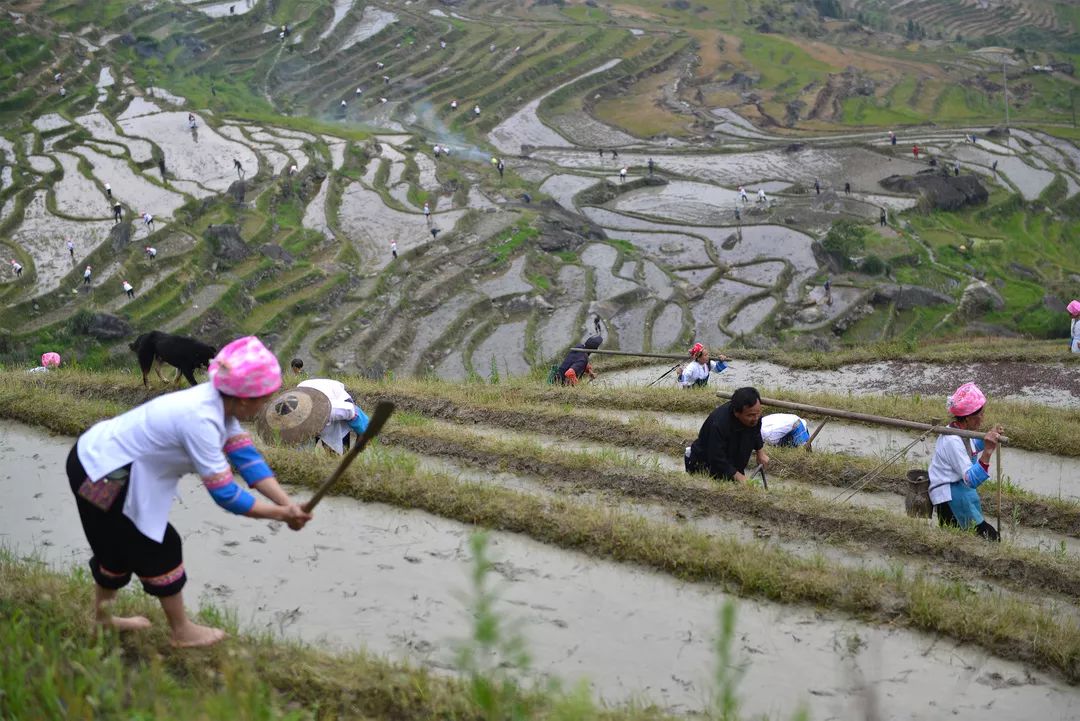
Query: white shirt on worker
[
  {"x": 163, "y": 439},
  {"x": 342, "y": 410},
  {"x": 775, "y": 426},
  {"x": 1076, "y": 335},
  {"x": 952, "y": 458}
]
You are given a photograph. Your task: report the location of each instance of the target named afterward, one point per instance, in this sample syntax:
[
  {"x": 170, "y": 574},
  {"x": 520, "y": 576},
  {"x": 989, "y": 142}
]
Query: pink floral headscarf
[
  {"x": 965, "y": 400},
  {"x": 245, "y": 368},
  {"x": 1073, "y": 307},
  {"x": 50, "y": 360}
]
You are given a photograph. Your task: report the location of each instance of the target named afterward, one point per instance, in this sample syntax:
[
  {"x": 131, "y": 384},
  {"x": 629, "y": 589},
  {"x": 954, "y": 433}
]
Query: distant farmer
[
  {"x": 576, "y": 365},
  {"x": 761, "y": 198},
  {"x": 695, "y": 374},
  {"x": 124, "y": 474},
  {"x": 345, "y": 415},
  {"x": 427, "y": 213},
  {"x": 614, "y": 154},
  {"x": 435, "y": 231},
  {"x": 784, "y": 429},
  {"x": 956, "y": 168},
  {"x": 915, "y": 151},
  {"x": 151, "y": 252},
  {"x": 343, "y": 104},
  {"x": 526, "y": 197},
  {"x": 601, "y": 151},
  {"x": 652, "y": 166},
  {"x": 993, "y": 167},
  {"x": 86, "y": 275},
  {"x": 892, "y": 138},
  {"x": 453, "y": 105},
  {"x": 161, "y": 166},
  {"x": 847, "y": 187},
  {"x": 71, "y": 248},
  {"x": 727, "y": 438},
  {"x": 296, "y": 365},
  {"x": 622, "y": 175},
  {"x": 882, "y": 219},
  {"x": 828, "y": 291},
  {"x": 118, "y": 211},
  {"x": 239, "y": 168},
  {"x": 191, "y": 121},
  {"x": 1074, "y": 334},
  {"x": 63, "y": 92},
  {"x": 17, "y": 267},
  {"x": 742, "y": 194},
  {"x": 393, "y": 249},
  {"x": 961, "y": 465},
  {"x": 129, "y": 289},
  {"x": 386, "y": 79},
  {"x": 817, "y": 187},
  {"x": 501, "y": 167},
  {"x": 359, "y": 91},
  {"x": 476, "y": 111},
  {"x": 149, "y": 220},
  {"x": 108, "y": 190}
]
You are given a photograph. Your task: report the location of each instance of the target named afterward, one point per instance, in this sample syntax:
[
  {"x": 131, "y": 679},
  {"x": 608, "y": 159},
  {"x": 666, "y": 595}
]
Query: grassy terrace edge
[
  {"x": 57, "y": 665},
  {"x": 1004, "y": 626}
]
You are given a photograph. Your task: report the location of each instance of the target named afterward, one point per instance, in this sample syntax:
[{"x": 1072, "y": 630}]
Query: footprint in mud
[
  {"x": 35, "y": 518},
  {"x": 257, "y": 539},
  {"x": 220, "y": 590},
  {"x": 411, "y": 559},
  {"x": 287, "y": 618},
  {"x": 996, "y": 681},
  {"x": 231, "y": 544}
]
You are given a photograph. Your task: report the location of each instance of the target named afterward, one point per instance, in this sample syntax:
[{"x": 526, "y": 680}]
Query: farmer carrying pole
[{"x": 576, "y": 365}]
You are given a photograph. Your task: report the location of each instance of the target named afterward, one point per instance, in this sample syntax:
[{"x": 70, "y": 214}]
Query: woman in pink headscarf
[
  {"x": 1074, "y": 334},
  {"x": 124, "y": 473},
  {"x": 961, "y": 465}
]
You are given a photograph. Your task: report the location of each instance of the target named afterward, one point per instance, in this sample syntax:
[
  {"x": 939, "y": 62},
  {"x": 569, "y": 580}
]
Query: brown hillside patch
[{"x": 713, "y": 58}]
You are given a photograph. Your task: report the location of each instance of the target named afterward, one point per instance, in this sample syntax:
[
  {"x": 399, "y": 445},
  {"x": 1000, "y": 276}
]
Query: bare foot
[
  {"x": 192, "y": 635},
  {"x": 126, "y": 623}
]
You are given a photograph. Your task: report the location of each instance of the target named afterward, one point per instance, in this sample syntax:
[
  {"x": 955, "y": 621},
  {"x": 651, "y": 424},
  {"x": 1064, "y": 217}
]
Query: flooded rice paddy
[{"x": 388, "y": 580}]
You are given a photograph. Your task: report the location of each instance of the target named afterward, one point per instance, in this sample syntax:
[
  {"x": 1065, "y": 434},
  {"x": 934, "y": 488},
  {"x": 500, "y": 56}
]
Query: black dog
[{"x": 184, "y": 354}]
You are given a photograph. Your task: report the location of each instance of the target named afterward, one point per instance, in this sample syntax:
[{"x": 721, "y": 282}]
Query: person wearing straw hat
[
  {"x": 960, "y": 465},
  {"x": 345, "y": 415},
  {"x": 124, "y": 474},
  {"x": 1074, "y": 333},
  {"x": 695, "y": 374}
]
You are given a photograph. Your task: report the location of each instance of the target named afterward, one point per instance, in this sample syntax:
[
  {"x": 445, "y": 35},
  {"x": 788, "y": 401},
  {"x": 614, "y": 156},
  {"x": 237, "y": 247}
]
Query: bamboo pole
[
  {"x": 666, "y": 356},
  {"x": 867, "y": 418},
  {"x": 1001, "y": 529},
  {"x": 810, "y": 443}
]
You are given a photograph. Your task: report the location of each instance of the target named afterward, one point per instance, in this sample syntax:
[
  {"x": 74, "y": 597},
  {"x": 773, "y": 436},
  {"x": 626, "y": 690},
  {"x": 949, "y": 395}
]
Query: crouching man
[{"x": 727, "y": 438}]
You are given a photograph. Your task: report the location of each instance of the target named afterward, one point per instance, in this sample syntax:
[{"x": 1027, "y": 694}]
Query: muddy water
[
  {"x": 372, "y": 225},
  {"x": 373, "y": 21},
  {"x": 1018, "y": 382},
  {"x": 341, "y": 9},
  {"x": 133, "y": 189},
  {"x": 102, "y": 129},
  {"x": 50, "y": 121},
  {"x": 207, "y": 161},
  {"x": 751, "y": 316},
  {"x": 386, "y": 579},
  {"x": 41, "y": 234},
  {"x": 667, "y": 327},
  {"x": 630, "y": 325},
  {"x": 563, "y": 187},
  {"x": 681, "y": 201},
  {"x": 224, "y": 9},
  {"x": 601, "y": 258},
  {"x": 509, "y": 282},
  {"x": 581, "y": 128},
  {"x": 1028, "y": 180},
  {"x": 75, "y": 194},
  {"x": 315, "y": 212},
  {"x": 503, "y": 348},
  {"x": 557, "y": 331},
  {"x": 525, "y": 128}
]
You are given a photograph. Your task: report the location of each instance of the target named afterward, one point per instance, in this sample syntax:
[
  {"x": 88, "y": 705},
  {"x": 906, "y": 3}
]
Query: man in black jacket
[{"x": 727, "y": 437}]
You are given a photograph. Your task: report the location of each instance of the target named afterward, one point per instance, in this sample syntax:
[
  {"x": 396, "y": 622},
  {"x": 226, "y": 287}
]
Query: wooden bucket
[{"x": 917, "y": 495}]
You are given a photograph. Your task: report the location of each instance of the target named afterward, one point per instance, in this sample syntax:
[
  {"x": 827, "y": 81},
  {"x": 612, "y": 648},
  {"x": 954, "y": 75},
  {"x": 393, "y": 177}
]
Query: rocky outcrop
[
  {"x": 227, "y": 243},
  {"x": 120, "y": 236},
  {"x": 103, "y": 326},
  {"x": 276, "y": 252},
  {"x": 940, "y": 191},
  {"x": 604, "y": 192},
  {"x": 979, "y": 298},
  {"x": 560, "y": 230},
  {"x": 909, "y": 296}
]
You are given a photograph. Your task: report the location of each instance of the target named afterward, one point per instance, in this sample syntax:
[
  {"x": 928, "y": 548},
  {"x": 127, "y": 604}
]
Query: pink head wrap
[
  {"x": 245, "y": 369},
  {"x": 50, "y": 360},
  {"x": 965, "y": 400},
  {"x": 1073, "y": 307},
  {"x": 696, "y": 349}
]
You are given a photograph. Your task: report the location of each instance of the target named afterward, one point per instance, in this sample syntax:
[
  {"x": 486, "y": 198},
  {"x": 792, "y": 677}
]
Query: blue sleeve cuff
[
  {"x": 360, "y": 423},
  {"x": 976, "y": 475},
  {"x": 248, "y": 462},
  {"x": 719, "y": 366},
  {"x": 233, "y": 498}
]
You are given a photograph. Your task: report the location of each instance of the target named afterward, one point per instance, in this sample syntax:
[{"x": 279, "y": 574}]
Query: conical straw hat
[{"x": 294, "y": 416}]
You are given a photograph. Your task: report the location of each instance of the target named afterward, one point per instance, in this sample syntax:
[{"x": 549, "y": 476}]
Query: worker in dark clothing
[
  {"x": 576, "y": 364},
  {"x": 727, "y": 438}
]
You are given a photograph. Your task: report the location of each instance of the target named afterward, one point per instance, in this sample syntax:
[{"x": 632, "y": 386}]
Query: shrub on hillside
[{"x": 846, "y": 238}]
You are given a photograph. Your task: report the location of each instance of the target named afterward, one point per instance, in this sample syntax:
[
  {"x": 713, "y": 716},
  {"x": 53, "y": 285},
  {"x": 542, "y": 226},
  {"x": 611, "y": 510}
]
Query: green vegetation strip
[
  {"x": 1007, "y": 627},
  {"x": 508, "y": 407},
  {"x": 57, "y": 665},
  {"x": 795, "y": 513},
  {"x": 1029, "y": 426}
]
